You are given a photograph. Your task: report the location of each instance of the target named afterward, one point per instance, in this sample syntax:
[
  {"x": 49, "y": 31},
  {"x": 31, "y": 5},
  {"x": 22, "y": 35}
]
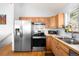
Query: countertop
[{"x": 73, "y": 47}]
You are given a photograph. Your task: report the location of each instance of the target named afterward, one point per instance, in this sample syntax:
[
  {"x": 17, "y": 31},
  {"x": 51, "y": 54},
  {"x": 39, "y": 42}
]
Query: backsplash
[{"x": 62, "y": 33}]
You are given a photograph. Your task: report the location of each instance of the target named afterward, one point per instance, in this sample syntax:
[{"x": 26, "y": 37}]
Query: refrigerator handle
[
  {"x": 21, "y": 32},
  {"x": 21, "y": 35}
]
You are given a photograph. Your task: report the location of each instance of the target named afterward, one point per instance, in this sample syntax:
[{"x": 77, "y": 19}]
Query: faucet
[{"x": 73, "y": 38}]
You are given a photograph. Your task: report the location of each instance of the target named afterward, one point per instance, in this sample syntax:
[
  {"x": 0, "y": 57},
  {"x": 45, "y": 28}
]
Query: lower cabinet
[
  {"x": 53, "y": 46},
  {"x": 58, "y": 48},
  {"x": 48, "y": 42},
  {"x": 61, "y": 52}
]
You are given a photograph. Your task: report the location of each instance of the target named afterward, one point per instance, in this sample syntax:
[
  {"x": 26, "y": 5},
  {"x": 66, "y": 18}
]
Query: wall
[
  {"x": 31, "y": 10},
  {"x": 17, "y": 11},
  {"x": 37, "y": 9},
  {"x": 5, "y": 29}
]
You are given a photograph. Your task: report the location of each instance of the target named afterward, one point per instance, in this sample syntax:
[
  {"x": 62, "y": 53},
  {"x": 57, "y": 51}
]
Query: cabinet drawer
[{"x": 63, "y": 47}]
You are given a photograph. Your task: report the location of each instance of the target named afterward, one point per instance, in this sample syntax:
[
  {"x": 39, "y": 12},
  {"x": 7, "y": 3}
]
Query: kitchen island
[{"x": 60, "y": 47}]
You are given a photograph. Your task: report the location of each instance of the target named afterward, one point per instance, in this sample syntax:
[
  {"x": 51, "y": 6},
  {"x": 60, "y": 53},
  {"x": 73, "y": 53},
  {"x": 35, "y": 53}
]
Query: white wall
[
  {"x": 37, "y": 9},
  {"x": 7, "y": 8},
  {"x": 17, "y": 11},
  {"x": 69, "y": 8},
  {"x": 29, "y": 10}
]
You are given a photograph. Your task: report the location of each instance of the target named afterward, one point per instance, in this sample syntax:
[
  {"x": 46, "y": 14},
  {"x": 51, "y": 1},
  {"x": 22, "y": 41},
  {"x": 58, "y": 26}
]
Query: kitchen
[{"x": 40, "y": 29}]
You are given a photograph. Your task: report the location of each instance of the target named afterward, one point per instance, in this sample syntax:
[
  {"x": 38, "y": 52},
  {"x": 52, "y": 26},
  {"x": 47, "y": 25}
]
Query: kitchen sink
[{"x": 69, "y": 40}]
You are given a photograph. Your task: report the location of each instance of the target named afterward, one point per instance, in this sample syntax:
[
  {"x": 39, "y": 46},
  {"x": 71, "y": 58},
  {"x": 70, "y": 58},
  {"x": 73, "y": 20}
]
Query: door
[
  {"x": 26, "y": 39},
  {"x": 17, "y": 41},
  {"x": 48, "y": 42}
]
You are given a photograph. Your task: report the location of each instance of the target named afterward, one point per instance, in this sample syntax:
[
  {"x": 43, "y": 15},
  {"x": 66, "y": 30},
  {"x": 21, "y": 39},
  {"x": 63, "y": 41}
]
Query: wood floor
[{"x": 7, "y": 51}]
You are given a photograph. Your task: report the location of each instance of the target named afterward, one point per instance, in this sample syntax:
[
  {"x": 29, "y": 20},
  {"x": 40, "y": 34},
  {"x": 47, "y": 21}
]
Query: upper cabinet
[
  {"x": 53, "y": 23},
  {"x": 50, "y": 22},
  {"x": 44, "y": 20},
  {"x": 60, "y": 20},
  {"x": 57, "y": 21}
]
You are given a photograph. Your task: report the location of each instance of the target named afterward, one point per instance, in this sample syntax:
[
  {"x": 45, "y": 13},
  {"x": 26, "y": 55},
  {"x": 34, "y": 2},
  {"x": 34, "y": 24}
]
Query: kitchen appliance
[
  {"x": 39, "y": 42},
  {"x": 53, "y": 32},
  {"x": 22, "y": 36},
  {"x": 38, "y": 37},
  {"x": 38, "y": 26}
]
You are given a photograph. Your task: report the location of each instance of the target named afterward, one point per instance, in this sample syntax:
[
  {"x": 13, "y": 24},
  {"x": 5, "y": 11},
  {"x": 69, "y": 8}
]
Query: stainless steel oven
[{"x": 38, "y": 42}]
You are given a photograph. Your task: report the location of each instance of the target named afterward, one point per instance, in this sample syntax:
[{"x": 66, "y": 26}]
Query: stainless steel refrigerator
[{"x": 22, "y": 36}]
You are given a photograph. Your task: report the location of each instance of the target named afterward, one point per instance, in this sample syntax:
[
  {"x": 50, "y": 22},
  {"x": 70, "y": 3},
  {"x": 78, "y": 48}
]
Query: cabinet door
[
  {"x": 60, "y": 20},
  {"x": 61, "y": 52},
  {"x": 46, "y": 21},
  {"x": 64, "y": 47},
  {"x": 36, "y": 19},
  {"x": 54, "y": 46},
  {"x": 40, "y": 19},
  {"x": 33, "y": 20},
  {"x": 48, "y": 42},
  {"x": 58, "y": 48},
  {"x": 53, "y": 22}
]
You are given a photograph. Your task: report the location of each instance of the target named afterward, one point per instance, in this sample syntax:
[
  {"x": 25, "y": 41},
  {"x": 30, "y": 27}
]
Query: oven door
[{"x": 39, "y": 41}]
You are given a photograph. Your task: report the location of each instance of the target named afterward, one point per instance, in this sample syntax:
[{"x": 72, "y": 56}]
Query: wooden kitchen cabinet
[
  {"x": 48, "y": 42},
  {"x": 62, "y": 50},
  {"x": 50, "y": 22},
  {"x": 34, "y": 20},
  {"x": 60, "y": 20},
  {"x": 54, "y": 46},
  {"x": 58, "y": 48},
  {"x": 53, "y": 23},
  {"x": 57, "y": 21},
  {"x": 44, "y": 20}
]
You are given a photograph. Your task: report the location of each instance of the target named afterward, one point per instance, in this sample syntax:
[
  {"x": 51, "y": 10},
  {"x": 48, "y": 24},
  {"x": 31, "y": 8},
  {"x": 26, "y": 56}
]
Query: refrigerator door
[
  {"x": 26, "y": 38},
  {"x": 17, "y": 41}
]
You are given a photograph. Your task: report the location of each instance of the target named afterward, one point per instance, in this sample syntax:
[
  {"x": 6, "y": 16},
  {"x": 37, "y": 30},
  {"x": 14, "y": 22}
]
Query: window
[{"x": 74, "y": 20}]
